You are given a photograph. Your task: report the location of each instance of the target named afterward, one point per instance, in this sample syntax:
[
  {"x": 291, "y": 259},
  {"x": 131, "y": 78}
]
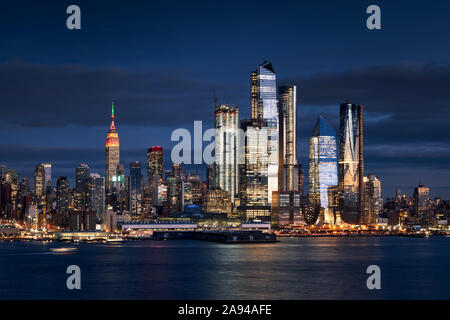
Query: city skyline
[{"x": 405, "y": 142}]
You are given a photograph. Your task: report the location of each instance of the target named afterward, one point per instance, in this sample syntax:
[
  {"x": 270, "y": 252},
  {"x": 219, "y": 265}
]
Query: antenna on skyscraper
[{"x": 215, "y": 98}]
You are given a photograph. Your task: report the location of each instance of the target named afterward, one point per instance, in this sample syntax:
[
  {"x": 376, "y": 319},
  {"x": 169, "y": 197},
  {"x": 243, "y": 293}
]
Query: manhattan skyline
[{"x": 405, "y": 120}]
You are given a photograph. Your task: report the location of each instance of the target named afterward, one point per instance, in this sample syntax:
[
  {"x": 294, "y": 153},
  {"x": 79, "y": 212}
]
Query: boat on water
[
  {"x": 63, "y": 250},
  {"x": 114, "y": 239}
]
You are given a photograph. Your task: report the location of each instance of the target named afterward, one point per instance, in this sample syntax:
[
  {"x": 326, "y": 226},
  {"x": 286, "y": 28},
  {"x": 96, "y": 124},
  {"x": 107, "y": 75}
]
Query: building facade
[
  {"x": 264, "y": 107},
  {"x": 323, "y": 177},
  {"x": 254, "y": 195},
  {"x": 135, "y": 188},
  {"x": 112, "y": 152},
  {"x": 227, "y": 148},
  {"x": 288, "y": 167},
  {"x": 154, "y": 172},
  {"x": 351, "y": 162}
]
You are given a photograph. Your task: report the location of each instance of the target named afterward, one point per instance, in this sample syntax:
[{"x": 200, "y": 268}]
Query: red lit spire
[{"x": 112, "y": 139}]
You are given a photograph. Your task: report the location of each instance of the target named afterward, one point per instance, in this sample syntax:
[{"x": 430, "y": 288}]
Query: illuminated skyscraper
[
  {"x": 82, "y": 190},
  {"x": 254, "y": 171},
  {"x": 264, "y": 106},
  {"x": 112, "y": 152},
  {"x": 154, "y": 171},
  {"x": 373, "y": 203},
  {"x": 351, "y": 162},
  {"x": 62, "y": 195},
  {"x": 227, "y": 148},
  {"x": 421, "y": 202},
  {"x": 288, "y": 168},
  {"x": 97, "y": 194},
  {"x": 135, "y": 190},
  {"x": 39, "y": 180},
  {"x": 323, "y": 178},
  {"x": 48, "y": 174}
]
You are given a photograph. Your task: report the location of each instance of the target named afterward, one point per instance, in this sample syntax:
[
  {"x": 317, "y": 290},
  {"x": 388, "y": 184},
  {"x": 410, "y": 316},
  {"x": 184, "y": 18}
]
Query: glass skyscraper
[
  {"x": 135, "y": 190},
  {"x": 323, "y": 176},
  {"x": 351, "y": 162},
  {"x": 288, "y": 168},
  {"x": 227, "y": 148},
  {"x": 254, "y": 171},
  {"x": 264, "y": 106}
]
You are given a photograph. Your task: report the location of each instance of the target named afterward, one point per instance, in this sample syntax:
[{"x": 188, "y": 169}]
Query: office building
[
  {"x": 323, "y": 179},
  {"x": 288, "y": 167},
  {"x": 264, "y": 107},
  {"x": 227, "y": 148},
  {"x": 351, "y": 162},
  {"x": 135, "y": 188},
  {"x": 112, "y": 152},
  {"x": 253, "y": 187}
]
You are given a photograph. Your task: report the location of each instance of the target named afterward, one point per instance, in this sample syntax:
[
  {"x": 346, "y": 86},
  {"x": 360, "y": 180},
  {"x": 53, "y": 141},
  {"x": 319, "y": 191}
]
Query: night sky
[{"x": 161, "y": 61}]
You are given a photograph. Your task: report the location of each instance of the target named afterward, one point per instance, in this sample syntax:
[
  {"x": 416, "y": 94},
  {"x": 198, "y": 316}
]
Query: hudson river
[{"x": 306, "y": 268}]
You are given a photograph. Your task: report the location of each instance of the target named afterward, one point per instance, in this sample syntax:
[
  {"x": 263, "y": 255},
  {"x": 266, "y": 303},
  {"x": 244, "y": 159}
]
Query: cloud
[
  {"x": 407, "y": 92},
  {"x": 35, "y": 95}
]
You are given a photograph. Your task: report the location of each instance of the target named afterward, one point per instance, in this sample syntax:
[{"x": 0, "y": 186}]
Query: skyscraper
[
  {"x": 112, "y": 152},
  {"x": 373, "y": 203},
  {"x": 421, "y": 198},
  {"x": 264, "y": 106},
  {"x": 323, "y": 178},
  {"x": 351, "y": 162},
  {"x": 288, "y": 168},
  {"x": 154, "y": 171},
  {"x": 254, "y": 171},
  {"x": 135, "y": 190},
  {"x": 301, "y": 180},
  {"x": 62, "y": 195},
  {"x": 82, "y": 190},
  {"x": 97, "y": 194},
  {"x": 48, "y": 174},
  {"x": 39, "y": 180},
  {"x": 227, "y": 148}
]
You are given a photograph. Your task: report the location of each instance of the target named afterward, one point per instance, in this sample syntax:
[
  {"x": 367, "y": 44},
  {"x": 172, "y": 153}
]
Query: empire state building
[{"x": 112, "y": 152}]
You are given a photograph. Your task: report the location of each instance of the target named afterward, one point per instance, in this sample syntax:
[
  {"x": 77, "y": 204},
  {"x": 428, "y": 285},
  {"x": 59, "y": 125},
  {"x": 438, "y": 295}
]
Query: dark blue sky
[{"x": 160, "y": 61}]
